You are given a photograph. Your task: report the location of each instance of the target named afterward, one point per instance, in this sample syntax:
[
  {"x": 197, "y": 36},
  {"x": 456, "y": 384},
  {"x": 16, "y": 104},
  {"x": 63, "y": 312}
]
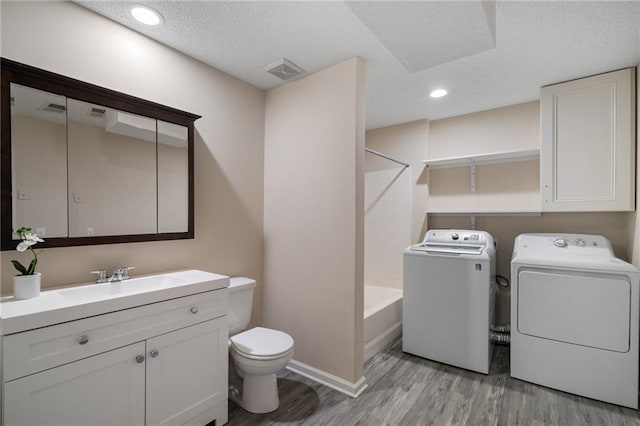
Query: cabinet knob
[
  {"x": 84, "y": 339},
  {"x": 140, "y": 359},
  {"x": 154, "y": 353},
  {"x": 194, "y": 310}
]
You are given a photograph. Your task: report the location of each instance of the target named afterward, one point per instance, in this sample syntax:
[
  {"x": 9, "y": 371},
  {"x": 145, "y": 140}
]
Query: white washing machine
[
  {"x": 447, "y": 305},
  {"x": 574, "y": 317}
]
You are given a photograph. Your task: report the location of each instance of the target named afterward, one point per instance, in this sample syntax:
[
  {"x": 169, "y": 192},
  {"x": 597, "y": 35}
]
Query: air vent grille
[{"x": 284, "y": 69}]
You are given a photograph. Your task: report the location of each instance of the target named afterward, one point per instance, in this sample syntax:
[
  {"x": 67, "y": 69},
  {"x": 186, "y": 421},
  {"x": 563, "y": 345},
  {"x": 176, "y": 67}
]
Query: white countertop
[{"x": 69, "y": 303}]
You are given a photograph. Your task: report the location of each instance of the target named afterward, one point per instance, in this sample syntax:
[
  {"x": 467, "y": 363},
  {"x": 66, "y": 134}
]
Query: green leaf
[
  {"x": 19, "y": 267},
  {"x": 32, "y": 266}
]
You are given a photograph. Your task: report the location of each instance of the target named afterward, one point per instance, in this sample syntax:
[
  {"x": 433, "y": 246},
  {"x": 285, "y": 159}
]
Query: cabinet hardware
[
  {"x": 154, "y": 353},
  {"x": 194, "y": 310},
  {"x": 84, "y": 339},
  {"x": 140, "y": 359}
]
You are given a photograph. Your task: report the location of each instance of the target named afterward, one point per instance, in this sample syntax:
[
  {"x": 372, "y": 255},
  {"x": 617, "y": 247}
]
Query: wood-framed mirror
[{"x": 85, "y": 165}]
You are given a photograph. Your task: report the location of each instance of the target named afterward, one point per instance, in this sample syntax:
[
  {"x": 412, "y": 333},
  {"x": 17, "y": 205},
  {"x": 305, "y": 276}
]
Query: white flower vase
[{"x": 26, "y": 286}]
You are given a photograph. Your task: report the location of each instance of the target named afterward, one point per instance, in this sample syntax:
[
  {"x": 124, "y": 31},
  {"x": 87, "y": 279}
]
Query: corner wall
[
  {"x": 229, "y": 137},
  {"x": 313, "y": 218}
]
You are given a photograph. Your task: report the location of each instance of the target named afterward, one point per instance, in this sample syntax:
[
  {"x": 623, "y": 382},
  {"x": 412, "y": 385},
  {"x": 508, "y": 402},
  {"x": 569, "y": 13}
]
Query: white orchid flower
[
  {"x": 33, "y": 238},
  {"x": 28, "y": 241},
  {"x": 23, "y": 246}
]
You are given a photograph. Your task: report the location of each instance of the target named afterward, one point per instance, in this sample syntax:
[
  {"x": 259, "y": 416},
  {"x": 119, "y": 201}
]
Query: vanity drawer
[{"x": 36, "y": 350}]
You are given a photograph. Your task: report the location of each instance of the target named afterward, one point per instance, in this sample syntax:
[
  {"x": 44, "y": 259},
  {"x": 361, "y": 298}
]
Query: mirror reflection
[
  {"x": 39, "y": 160},
  {"x": 112, "y": 171},
  {"x": 173, "y": 177}
]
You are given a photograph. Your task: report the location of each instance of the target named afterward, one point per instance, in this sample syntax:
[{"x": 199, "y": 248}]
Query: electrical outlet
[
  {"x": 41, "y": 232},
  {"x": 23, "y": 195},
  {"x": 90, "y": 230},
  {"x": 77, "y": 198}
]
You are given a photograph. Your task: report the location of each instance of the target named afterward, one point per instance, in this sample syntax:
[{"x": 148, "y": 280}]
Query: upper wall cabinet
[
  {"x": 86, "y": 165},
  {"x": 587, "y": 151}
]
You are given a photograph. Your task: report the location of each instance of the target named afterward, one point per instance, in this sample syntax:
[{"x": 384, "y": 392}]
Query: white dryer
[
  {"x": 574, "y": 317},
  {"x": 447, "y": 304}
]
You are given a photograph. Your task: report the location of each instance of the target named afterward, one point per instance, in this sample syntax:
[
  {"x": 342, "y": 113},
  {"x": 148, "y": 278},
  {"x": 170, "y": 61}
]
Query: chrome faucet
[{"x": 119, "y": 274}]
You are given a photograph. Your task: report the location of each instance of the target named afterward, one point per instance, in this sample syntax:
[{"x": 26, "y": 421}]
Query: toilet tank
[{"x": 240, "y": 303}]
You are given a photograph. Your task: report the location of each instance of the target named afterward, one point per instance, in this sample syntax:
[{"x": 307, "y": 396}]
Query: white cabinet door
[
  {"x": 186, "y": 372},
  {"x": 105, "y": 389},
  {"x": 587, "y": 152}
]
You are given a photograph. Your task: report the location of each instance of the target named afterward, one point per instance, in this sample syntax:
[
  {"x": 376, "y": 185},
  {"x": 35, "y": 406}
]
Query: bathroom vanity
[{"x": 147, "y": 351}]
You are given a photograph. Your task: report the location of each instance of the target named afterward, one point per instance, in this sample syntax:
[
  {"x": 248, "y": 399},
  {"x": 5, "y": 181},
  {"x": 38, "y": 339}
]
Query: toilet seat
[{"x": 261, "y": 343}]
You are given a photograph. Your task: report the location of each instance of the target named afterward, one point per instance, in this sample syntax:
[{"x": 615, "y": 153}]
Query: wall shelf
[{"x": 490, "y": 158}]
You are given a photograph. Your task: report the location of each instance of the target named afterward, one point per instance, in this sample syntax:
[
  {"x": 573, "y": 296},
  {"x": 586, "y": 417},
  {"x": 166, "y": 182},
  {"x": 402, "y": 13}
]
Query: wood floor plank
[{"x": 407, "y": 390}]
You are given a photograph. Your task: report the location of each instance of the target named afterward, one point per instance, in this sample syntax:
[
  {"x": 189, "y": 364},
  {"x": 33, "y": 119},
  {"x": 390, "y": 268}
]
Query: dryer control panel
[{"x": 544, "y": 245}]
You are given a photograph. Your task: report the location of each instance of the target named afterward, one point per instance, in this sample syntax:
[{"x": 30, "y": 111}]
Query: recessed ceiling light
[
  {"x": 438, "y": 93},
  {"x": 145, "y": 15}
]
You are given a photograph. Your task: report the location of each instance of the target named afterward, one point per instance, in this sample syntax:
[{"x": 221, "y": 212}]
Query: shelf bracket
[
  {"x": 472, "y": 221},
  {"x": 472, "y": 163}
]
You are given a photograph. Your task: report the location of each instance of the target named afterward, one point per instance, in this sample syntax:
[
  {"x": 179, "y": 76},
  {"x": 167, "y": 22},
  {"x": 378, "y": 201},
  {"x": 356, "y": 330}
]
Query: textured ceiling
[
  {"x": 422, "y": 35},
  {"x": 511, "y": 48}
]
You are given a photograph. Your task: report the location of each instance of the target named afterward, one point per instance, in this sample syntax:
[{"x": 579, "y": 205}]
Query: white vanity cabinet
[
  {"x": 160, "y": 363},
  {"x": 587, "y": 151},
  {"x": 105, "y": 389},
  {"x": 186, "y": 373}
]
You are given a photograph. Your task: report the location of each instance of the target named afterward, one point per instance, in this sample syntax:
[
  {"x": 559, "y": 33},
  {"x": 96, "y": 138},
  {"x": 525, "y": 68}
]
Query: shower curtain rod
[{"x": 386, "y": 156}]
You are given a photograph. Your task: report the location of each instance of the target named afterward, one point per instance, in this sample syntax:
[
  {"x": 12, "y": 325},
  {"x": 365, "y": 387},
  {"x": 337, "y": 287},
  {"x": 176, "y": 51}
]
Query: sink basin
[
  {"x": 89, "y": 299},
  {"x": 117, "y": 288}
]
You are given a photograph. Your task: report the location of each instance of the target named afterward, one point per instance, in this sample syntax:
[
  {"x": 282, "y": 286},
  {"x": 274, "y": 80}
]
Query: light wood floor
[{"x": 408, "y": 390}]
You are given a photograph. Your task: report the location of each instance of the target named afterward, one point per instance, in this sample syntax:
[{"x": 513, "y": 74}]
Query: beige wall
[
  {"x": 516, "y": 127},
  {"x": 502, "y": 129},
  {"x": 228, "y": 141},
  {"x": 313, "y": 217}
]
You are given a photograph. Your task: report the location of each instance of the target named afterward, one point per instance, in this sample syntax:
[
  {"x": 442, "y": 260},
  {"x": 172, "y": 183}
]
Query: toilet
[{"x": 255, "y": 355}]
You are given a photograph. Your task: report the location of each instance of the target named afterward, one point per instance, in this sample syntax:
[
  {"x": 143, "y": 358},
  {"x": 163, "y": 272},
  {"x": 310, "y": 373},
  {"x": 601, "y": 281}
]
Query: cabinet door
[
  {"x": 587, "y": 152},
  {"x": 186, "y": 372},
  {"x": 105, "y": 389}
]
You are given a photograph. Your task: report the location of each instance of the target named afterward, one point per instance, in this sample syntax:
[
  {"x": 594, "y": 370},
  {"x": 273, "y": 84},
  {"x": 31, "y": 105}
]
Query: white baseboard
[
  {"x": 380, "y": 342},
  {"x": 353, "y": 390}
]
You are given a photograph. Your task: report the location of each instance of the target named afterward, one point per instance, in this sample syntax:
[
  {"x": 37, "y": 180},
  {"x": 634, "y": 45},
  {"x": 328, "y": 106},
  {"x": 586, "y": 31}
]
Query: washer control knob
[
  {"x": 455, "y": 236},
  {"x": 580, "y": 242},
  {"x": 560, "y": 242}
]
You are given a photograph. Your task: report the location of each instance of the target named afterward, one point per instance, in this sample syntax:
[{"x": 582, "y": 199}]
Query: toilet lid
[{"x": 262, "y": 342}]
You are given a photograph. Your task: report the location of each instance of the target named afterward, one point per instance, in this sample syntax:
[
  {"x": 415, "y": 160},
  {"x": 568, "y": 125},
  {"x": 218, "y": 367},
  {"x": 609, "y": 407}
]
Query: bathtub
[{"x": 382, "y": 318}]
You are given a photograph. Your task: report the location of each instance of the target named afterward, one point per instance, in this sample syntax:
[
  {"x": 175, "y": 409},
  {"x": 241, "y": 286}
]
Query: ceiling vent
[
  {"x": 51, "y": 107},
  {"x": 96, "y": 112},
  {"x": 284, "y": 69}
]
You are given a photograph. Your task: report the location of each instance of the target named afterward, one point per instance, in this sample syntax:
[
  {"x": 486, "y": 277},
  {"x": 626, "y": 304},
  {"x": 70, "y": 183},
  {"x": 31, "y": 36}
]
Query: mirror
[{"x": 86, "y": 165}]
